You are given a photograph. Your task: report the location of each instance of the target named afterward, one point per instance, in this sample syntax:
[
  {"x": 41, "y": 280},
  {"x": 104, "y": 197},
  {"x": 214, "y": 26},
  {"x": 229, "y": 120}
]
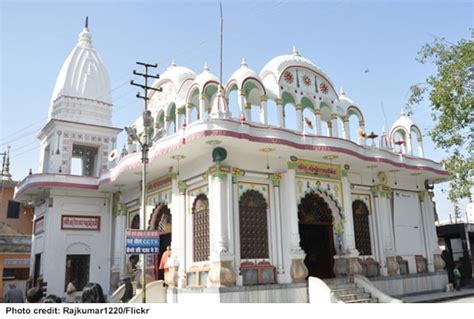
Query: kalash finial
[
  {"x": 295, "y": 51},
  {"x": 86, "y": 24}
]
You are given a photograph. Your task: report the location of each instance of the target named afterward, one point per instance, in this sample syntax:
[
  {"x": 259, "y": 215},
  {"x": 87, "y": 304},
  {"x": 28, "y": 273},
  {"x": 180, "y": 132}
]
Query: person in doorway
[
  {"x": 13, "y": 295},
  {"x": 457, "y": 278},
  {"x": 71, "y": 291},
  {"x": 164, "y": 259},
  {"x": 132, "y": 269},
  {"x": 34, "y": 295}
]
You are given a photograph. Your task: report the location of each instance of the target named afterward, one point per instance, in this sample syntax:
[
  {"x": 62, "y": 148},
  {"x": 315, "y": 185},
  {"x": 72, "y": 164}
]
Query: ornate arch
[
  {"x": 354, "y": 110},
  {"x": 338, "y": 219},
  {"x": 160, "y": 219}
]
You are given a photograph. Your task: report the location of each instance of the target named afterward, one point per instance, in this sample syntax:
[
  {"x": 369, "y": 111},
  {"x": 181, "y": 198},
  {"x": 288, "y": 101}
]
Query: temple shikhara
[{"x": 258, "y": 184}]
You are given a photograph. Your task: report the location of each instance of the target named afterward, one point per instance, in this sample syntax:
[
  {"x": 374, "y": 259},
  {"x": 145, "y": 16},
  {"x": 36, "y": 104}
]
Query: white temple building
[{"x": 325, "y": 200}]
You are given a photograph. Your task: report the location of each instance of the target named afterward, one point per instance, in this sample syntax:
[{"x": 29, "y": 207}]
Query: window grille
[
  {"x": 253, "y": 225},
  {"x": 360, "y": 214},
  {"x": 201, "y": 228}
]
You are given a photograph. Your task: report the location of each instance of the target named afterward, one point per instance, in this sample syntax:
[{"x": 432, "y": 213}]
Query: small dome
[
  {"x": 243, "y": 73},
  {"x": 345, "y": 101},
  {"x": 177, "y": 75},
  {"x": 403, "y": 122},
  {"x": 204, "y": 77}
]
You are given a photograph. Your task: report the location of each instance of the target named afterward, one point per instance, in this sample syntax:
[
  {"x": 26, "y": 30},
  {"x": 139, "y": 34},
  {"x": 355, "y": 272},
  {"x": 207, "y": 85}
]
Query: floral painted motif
[
  {"x": 306, "y": 80},
  {"x": 324, "y": 88},
  {"x": 288, "y": 77}
]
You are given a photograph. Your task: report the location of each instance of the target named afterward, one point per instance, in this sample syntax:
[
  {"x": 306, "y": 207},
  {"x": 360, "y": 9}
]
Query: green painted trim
[
  {"x": 381, "y": 191},
  {"x": 276, "y": 179},
  {"x": 292, "y": 165},
  {"x": 182, "y": 187}
]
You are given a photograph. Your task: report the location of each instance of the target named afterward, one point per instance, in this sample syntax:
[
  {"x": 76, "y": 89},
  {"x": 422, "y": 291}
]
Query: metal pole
[{"x": 143, "y": 215}]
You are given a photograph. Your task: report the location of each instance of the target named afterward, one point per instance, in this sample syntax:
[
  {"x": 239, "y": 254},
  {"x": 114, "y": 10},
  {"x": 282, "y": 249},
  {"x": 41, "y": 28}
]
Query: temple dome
[
  {"x": 83, "y": 92},
  {"x": 177, "y": 75},
  {"x": 204, "y": 78},
  {"x": 403, "y": 122},
  {"x": 243, "y": 73},
  {"x": 278, "y": 64}
]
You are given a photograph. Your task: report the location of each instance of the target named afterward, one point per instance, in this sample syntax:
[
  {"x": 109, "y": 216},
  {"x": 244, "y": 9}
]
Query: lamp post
[{"x": 148, "y": 137}]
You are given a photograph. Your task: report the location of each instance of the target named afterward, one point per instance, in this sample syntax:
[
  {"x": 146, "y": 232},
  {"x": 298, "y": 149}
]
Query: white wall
[
  {"x": 95, "y": 243},
  {"x": 408, "y": 226}
]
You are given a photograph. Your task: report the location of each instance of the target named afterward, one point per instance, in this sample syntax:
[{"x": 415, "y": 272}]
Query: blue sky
[{"x": 343, "y": 38}]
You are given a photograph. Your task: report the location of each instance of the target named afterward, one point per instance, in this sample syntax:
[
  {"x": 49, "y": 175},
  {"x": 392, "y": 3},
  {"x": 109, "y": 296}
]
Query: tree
[{"x": 450, "y": 92}]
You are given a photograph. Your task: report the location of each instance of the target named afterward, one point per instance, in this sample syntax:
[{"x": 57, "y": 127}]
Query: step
[
  {"x": 367, "y": 300},
  {"x": 343, "y": 286},
  {"x": 347, "y": 291},
  {"x": 354, "y": 297},
  {"x": 337, "y": 281}
]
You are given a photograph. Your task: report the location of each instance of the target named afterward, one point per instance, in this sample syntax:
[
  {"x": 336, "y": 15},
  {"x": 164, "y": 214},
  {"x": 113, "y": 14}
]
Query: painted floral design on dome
[
  {"x": 306, "y": 80},
  {"x": 288, "y": 77},
  {"x": 324, "y": 88}
]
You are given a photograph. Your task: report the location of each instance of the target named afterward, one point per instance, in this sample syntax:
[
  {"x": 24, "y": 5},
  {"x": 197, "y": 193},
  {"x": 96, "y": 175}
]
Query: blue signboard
[{"x": 142, "y": 242}]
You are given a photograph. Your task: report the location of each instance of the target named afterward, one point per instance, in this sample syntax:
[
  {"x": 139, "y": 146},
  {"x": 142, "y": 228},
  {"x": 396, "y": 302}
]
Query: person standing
[
  {"x": 164, "y": 259},
  {"x": 457, "y": 278},
  {"x": 71, "y": 291},
  {"x": 13, "y": 295}
]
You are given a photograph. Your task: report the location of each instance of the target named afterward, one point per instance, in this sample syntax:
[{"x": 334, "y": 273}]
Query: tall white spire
[{"x": 83, "y": 92}]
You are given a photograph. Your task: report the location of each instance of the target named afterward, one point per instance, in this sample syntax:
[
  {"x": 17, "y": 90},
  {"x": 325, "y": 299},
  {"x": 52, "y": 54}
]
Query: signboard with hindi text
[
  {"x": 80, "y": 222},
  {"x": 316, "y": 169},
  {"x": 142, "y": 241}
]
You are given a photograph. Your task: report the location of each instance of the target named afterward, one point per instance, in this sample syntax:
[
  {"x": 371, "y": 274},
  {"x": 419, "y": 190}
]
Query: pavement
[{"x": 439, "y": 296}]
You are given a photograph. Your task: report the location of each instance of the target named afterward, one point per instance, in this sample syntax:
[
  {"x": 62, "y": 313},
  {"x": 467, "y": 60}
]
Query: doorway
[
  {"x": 161, "y": 220},
  {"x": 77, "y": 268},
  {"x": 316, "y": 235}
]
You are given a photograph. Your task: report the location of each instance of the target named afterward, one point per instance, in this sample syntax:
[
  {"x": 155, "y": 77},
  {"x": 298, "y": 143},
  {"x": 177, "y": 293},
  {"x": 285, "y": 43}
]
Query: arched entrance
[
  {"x": 316, "y": 235},
  {"x": 160, "y": 220}
]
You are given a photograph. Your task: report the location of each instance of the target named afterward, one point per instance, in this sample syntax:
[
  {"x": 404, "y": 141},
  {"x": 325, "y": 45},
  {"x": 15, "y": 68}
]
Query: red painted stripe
[{"x": 280, "y": 141}]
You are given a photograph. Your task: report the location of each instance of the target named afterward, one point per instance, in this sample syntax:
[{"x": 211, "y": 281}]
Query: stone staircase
[{"x": 347, "y": 290}]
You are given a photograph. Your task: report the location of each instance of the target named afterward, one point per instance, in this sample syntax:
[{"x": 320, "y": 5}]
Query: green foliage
[{"x": 450, "y": 93}]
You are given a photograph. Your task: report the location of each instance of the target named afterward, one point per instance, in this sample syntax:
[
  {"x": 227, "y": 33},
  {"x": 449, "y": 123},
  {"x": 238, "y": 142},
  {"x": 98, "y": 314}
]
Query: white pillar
[
  {"x": 167, "y": 122},
  {"x": 221, "y": 271},
  {"x": 385, "y": 224},
  {"x": 347, "y": 131},
  {"x": 189, "y": 107},
  {"x": 421, "y": 152},
  {"x": 179, "y": 206},
  {"x": 362, "y": 141},
  {"x": 281, "y": 114},
  {"x": 241, "y": 102},
  {"x": 263, "y": 110},
  {"x": 409, "y": 145},
  {"x": 277, "y": 215},
  {"x": 235, "y": 191},
  {"x": 334, "y": 130},
  {"x": 425, "y": 231},
  {"x": 329, "y": 131},
  {"x": 349, "y": 237},
  {"x": 299, "y": 117},
  {"x": 248, "y": 111},
  {"x": 202, "y": 106},
  {"x": 296, "y": 255},
  {"x": 317, "y": 120},
  {"x": 179, "y": 119}
]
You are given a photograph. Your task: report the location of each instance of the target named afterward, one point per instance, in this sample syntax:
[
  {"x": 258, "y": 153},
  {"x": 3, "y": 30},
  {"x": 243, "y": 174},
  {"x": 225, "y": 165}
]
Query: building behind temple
[{"x": 317, "y": 197}]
